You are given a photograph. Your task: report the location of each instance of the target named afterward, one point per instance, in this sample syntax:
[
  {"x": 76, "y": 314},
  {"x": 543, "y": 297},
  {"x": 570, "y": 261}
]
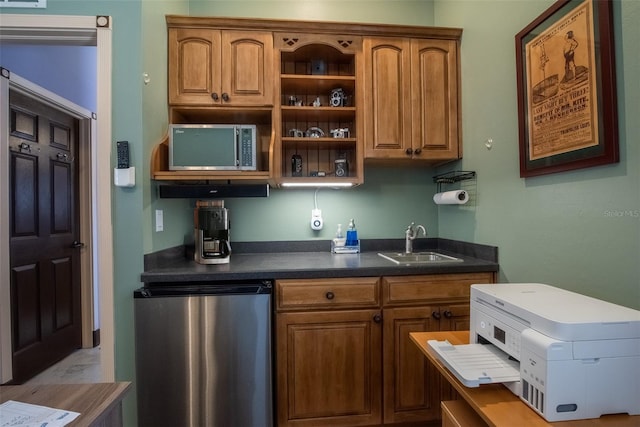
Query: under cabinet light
[{"x": 317, "y": 184}]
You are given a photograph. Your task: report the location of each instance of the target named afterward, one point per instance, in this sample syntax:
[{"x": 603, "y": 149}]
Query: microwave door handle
[{"x": 237, "y": 147}]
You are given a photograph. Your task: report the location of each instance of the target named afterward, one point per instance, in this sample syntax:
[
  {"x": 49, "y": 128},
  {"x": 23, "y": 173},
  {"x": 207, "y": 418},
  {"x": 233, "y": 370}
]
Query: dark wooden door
[{"x": 44, "y": 251}]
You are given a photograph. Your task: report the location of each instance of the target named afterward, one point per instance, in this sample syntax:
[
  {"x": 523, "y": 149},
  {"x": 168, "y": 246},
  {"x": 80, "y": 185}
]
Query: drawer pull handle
[
  {"x": 448, "y": 314},
  {"x": 330, "y": 295},
  {"x": 377, "y": 318},
  {"x": 436, "y": 315}
]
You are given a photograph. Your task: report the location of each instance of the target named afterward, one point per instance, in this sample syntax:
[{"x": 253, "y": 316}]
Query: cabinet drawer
[
  {"x": 357, "y": 292},
  {"x": 399, "y": 290}
]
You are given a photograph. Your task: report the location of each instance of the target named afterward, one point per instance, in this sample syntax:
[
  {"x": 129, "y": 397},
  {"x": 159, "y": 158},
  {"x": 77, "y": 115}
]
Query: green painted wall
[
  {"x": 408, "y": 12},
  {"x": 578, "y": 230}
]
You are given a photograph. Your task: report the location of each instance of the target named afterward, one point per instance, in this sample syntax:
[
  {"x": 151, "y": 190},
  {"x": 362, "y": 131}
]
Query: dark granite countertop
[{"x": 313, "y": 259}]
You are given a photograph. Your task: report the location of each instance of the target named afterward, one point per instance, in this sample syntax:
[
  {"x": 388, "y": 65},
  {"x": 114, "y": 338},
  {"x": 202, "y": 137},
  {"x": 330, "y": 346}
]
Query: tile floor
[{"x": 82, "y": 366}]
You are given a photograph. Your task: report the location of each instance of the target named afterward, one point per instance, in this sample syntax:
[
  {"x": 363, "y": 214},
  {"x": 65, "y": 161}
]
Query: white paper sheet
[{"x": 19, "y": 414}]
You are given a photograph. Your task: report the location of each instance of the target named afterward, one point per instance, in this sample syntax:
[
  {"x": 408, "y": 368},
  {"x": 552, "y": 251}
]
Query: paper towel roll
[{"x": 458, "y": 197}]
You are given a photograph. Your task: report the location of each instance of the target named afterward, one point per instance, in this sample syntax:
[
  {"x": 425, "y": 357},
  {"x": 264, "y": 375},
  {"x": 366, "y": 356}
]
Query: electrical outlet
[{"x": 316, "y": 219}]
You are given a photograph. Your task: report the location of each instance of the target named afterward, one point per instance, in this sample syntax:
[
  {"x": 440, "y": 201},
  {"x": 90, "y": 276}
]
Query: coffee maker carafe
[{"x": 211, "y": 232}]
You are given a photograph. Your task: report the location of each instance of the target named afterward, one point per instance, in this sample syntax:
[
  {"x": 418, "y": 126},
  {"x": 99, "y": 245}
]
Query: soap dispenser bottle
[
  {"x": 352, "y": 234},
  {"x": 339, "y": 240}
]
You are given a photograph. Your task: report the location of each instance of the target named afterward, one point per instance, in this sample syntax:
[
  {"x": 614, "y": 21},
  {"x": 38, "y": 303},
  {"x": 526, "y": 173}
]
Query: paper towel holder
[{"x": 453, "y": 177}]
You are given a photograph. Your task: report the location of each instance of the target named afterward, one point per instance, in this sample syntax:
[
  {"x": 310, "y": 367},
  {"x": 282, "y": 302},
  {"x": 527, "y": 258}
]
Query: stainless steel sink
[{"x": 418, "y": 257}]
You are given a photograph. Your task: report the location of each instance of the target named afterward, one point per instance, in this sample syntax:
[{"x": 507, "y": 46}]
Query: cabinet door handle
[
  {"x": 436, "y": 315},
  {"x": 225, "y": 97},
  {"x": 448, "y": 314},
  {"x": 377, "y": 318},
  {"x": 417, "y": 151},
  {"x": 408, "y": 151},
  {"x": 329, "y": 295},
  {"x": 215, "y": 96}
]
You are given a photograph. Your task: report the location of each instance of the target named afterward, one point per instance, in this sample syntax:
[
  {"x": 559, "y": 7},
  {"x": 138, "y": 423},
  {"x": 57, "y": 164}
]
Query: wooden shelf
[
  {"x": 304, "y": 114},
  {"x": 160, "y": 168},
  {"x": 310, "y": 180},
  {"x": 319, "y": 142},
  {"x": 221, "y": 115},
  {"x": 315, "y": 83}
]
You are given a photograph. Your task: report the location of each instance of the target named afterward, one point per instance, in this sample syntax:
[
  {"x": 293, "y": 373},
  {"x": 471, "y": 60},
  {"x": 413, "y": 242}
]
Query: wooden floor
[{"x": 83, "y": 366}]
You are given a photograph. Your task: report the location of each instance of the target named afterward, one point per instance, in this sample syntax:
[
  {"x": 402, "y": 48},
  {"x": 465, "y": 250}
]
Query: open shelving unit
[{"x": 310, "y": 110}]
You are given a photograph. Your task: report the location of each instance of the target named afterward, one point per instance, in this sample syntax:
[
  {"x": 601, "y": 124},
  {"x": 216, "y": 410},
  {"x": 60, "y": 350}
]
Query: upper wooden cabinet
[
  {"x": 411, "y": 98},
  {"x": 210, "y": 67},
  {"x": 400, "y": 87}
]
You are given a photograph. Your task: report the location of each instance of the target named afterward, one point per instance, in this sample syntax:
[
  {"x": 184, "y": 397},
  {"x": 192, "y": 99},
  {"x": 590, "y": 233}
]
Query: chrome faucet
[{"x": 410, "y": 234}]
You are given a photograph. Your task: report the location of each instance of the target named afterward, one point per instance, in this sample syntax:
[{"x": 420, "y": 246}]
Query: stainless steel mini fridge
[{"x": 203, "y": 355}]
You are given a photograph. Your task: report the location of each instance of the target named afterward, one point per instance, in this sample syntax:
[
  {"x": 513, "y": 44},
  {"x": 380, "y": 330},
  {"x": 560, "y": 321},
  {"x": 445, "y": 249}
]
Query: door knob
[
  {"x": 214, "y": 96},
  {"x": 77, "y": 244},
  {"x": 436, "y": 315},
  {"x": 225, "y": 97}
]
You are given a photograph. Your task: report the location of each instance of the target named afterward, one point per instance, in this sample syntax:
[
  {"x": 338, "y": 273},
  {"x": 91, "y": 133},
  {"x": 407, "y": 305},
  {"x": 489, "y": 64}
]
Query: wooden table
[
  {"x": 495, "y": 404},
  {"x": 99, "y": 405}
]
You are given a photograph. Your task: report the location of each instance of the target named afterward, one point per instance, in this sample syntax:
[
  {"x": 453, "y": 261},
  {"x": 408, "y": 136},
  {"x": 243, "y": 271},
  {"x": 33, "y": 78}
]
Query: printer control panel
[{"x": 497, "y": 333}]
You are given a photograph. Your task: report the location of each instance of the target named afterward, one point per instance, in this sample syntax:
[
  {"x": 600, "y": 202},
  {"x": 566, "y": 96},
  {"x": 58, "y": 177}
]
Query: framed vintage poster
[{"x": 567, "y": 109}]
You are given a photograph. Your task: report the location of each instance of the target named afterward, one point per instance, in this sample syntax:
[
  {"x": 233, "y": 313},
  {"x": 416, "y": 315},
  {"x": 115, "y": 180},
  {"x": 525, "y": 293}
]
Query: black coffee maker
[{"x": 211, "y": 227}]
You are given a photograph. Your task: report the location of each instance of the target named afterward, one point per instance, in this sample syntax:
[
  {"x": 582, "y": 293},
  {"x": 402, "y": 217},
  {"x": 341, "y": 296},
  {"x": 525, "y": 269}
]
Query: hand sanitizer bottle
[
  {"x": 352, "y": 234},
  {"x": 339, "y": 239}
]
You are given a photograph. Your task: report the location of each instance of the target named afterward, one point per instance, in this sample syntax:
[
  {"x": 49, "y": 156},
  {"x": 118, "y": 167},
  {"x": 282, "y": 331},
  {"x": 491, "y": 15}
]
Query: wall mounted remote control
[{"x": 123, "y": 154}]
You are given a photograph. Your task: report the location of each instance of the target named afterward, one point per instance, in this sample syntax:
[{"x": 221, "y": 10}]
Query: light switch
[{"x": 159, "y": 220}]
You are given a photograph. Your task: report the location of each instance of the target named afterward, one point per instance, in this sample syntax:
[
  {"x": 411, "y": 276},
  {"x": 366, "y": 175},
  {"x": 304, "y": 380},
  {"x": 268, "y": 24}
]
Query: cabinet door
[
  {"x": 454, "y": 317},
  {"x": 194, "y": 66},
  {"x": 387, "y": 97},
  {"x": 411, "y": 383},
  {"x": 247, "y": 68},
  {"x": 434, "y": 88},
  {"x": 329, "y": 368}
]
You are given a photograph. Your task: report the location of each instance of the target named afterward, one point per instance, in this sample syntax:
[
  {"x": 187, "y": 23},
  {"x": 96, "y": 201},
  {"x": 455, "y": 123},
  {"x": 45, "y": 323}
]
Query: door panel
[
  {"x": 387, "y": 97},
  {"x": 61, "y": 213},
  {"x": 24, "y": 195},
  {"x": 248, "y": 59},
  {"x": 194, "y": 66},
  {"x": 330, "y": 370},
  {"x": 435, "y": 111},
  {"x": 412, "y": 378},
  {"x": 24, "y": 307},
  {"x": 45, "y": 269}
]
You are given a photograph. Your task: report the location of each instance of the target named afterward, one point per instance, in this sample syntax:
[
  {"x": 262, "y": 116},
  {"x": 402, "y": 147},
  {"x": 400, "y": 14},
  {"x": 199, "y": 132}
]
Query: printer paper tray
[{"x": 475, "y": 364}]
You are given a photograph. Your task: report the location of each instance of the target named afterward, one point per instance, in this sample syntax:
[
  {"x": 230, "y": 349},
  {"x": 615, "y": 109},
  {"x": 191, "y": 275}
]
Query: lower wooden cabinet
[
  {"x": 329, "y": 368},
  {"x": 343, "y": 352}
]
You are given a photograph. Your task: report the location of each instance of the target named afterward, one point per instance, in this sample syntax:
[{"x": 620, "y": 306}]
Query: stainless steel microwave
[{"x": 212, "y": 147}]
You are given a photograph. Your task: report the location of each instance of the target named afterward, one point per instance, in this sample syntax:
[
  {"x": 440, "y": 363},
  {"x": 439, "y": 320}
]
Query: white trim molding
[{"x": 88, "y": 31}]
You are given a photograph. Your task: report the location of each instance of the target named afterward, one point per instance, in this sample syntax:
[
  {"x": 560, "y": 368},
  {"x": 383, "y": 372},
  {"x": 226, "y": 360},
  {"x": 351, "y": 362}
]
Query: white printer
[{"x": 567, "y": 356}]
